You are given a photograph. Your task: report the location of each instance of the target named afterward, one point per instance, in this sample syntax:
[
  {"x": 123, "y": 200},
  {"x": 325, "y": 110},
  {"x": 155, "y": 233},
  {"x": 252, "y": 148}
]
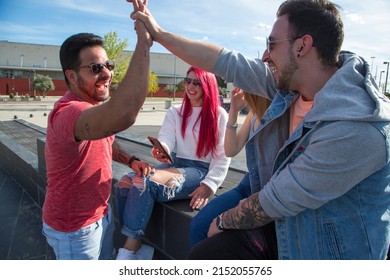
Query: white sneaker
[
  {"x": 124, "y": 254},
  {"x": 144, "y": 253}
]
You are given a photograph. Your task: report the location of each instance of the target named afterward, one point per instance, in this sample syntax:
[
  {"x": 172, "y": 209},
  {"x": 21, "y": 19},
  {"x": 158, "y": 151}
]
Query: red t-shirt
[{"x": 79, "y": 173}]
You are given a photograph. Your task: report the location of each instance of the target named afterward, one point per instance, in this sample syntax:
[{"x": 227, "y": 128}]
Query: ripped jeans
[{"x": 135, "y": 205}]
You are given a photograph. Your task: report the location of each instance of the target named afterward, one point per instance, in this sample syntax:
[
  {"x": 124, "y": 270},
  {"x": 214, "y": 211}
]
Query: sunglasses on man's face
[
  {"x": 195, "y": 82},
  {"x": 269, "y": 43},
  {"x": 97, "y": 67}
]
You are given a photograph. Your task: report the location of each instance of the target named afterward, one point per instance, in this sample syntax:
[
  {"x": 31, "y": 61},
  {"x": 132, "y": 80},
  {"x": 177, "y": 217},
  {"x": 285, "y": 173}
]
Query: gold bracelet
[{"x": 232, "y": 126}]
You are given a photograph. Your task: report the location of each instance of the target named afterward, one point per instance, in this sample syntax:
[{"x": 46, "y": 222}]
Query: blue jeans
[
  {"x": 135, "y": 207},
  {"x": 200, "y": 224},
  {"x": 92, "y": 242}
]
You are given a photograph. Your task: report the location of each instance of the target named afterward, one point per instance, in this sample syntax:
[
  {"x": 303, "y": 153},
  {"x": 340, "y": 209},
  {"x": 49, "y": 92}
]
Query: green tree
[
  {"x": 43, "y": 84},
  {"x": 115, "y": 50},
  {"x": 170, "y": 89},
  {"x": 153, "y": 84},
  {"x": 180, "y": 86},
  {"x": 221, "y": 82},
  {"x": 223, "y": 91}
]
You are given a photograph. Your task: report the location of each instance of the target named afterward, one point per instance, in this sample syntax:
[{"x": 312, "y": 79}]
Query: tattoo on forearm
[
  {"x": 87, "y": 128},
  {"x": 247, "y": 215}
]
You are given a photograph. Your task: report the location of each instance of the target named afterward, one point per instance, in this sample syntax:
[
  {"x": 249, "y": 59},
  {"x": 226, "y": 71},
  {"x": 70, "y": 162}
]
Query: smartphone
[{"x": 157, "y": 144}]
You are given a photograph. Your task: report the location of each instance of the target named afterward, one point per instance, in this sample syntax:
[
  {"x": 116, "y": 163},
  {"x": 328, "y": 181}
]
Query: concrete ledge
[
  {"x": 23, "y": 166},
  {"x": 168, "y": 228}
]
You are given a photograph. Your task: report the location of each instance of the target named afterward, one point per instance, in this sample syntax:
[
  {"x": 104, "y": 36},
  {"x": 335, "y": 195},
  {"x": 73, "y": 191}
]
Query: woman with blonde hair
[{"x": 235, "y": 140}]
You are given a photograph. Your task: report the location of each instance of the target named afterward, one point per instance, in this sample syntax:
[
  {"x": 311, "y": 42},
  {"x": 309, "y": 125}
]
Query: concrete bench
[{"x": 22, "y": 154}]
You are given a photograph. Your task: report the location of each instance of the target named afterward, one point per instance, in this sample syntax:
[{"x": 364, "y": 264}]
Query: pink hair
[{"x": 208, "y": 133}]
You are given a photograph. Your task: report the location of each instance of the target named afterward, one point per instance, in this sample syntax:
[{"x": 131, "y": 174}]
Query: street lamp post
[
  {"x": 380, "y": 79},
  {"x": 372, "y": 63},
  {"x": 376, "y": 72},
  {"x": 387, "y": 74},
  {"x": 13, "y": 83},
  {"x": 29, "y": 82},
  {"x": 33, "y": 71}
]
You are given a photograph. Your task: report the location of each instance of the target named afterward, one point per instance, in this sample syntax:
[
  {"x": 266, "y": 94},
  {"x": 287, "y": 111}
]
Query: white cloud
[
  {"x": 258, "y": 38},
  {"x": 241, "y": 25},
  {"x": 354, "y": 18},
  {"x": 204, "y": 39},
  {"x": 263, "y": 26}
]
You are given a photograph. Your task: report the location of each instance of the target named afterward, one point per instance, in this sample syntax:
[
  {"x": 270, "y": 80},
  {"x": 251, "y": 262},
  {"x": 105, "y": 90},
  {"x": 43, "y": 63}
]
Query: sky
[{"x": 242, "y": 25}]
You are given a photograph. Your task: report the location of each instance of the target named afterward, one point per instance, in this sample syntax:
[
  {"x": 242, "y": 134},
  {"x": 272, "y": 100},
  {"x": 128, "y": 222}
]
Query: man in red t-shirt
[{"x": 80, "y": 145}]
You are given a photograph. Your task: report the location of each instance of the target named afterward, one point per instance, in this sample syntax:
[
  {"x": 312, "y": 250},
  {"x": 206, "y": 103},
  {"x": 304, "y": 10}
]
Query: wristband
[
  {"x": 130, "y": 162},
  {"x": 232, "y": 126}
]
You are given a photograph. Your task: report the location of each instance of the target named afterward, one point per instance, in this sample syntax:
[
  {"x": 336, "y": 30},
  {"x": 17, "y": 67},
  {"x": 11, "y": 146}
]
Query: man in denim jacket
[{"x": 323, "y": 174}]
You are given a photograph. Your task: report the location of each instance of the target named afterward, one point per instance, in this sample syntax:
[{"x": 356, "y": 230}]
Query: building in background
[{"x": 20, "y": 62}]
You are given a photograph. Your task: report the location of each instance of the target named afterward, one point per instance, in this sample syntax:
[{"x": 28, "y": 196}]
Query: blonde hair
[{"x": 257, "y": 104}]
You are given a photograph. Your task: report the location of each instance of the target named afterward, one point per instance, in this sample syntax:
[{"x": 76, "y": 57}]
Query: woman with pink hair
[{"x": 193, "y": 134}]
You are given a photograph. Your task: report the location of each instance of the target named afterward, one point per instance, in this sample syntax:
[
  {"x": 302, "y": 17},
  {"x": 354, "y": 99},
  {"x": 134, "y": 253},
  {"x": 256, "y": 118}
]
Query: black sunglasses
[
  {"x": 97, "y": 67},
  {"x": 195, "y": 82}
]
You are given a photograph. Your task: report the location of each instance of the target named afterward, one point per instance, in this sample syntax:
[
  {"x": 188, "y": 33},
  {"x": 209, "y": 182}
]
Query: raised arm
[
  {"x": 121, "y": 110},
  {"x": 200, "y": 54},
  {"x": 235, "y": 140}
]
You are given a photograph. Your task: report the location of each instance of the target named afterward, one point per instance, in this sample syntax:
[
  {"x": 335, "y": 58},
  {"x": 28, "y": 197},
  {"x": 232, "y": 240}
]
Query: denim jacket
[{"x": 326, "y": 186}]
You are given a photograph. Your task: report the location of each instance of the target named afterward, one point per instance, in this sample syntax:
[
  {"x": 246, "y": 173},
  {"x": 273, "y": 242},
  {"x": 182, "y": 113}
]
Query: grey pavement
[{"x": 21, "y": 235}]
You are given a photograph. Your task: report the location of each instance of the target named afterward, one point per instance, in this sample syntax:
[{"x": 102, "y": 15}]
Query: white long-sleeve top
[{"x": 170, "y": 136}]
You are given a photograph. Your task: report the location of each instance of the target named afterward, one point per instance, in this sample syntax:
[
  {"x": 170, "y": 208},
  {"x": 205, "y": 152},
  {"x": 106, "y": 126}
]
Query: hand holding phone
[{"x": 157, "y": 144}]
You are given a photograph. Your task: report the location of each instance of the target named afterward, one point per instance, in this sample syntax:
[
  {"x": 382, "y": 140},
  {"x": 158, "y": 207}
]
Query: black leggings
[{"x": 256, "y": 244}]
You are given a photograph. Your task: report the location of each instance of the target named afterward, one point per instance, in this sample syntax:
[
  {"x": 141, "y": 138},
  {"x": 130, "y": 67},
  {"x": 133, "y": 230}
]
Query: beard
[
  {"x": 90, "y": 90},
  {"x": 287, "y": 74}
]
